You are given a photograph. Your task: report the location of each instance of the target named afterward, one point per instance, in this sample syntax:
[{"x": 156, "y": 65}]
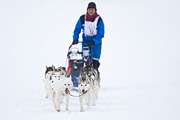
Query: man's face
[{"x": 91, "y": 11}]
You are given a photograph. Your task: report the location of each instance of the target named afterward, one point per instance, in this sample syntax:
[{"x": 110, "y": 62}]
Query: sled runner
[{"x": 76, "y": 60}]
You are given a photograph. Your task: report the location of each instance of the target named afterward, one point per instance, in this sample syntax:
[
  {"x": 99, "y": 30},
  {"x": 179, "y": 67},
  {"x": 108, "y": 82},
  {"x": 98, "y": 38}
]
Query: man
[{"x": 93, "y": 32}]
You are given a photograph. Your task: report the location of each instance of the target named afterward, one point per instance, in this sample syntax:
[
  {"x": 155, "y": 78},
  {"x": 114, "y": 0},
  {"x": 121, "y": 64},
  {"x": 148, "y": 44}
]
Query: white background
[{"x": 140, "y": 61}]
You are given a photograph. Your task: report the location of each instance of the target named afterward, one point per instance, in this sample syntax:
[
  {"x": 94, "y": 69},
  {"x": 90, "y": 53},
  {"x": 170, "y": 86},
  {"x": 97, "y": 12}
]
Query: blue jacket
[{"x": 96, "y": 50}]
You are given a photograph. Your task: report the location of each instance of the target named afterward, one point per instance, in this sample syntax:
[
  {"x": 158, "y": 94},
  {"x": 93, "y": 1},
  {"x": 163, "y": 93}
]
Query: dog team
[{"x": 58, "y": 86}]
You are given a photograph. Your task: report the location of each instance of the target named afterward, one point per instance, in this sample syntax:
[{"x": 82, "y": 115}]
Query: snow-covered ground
[{"x": 140, "y": 62}]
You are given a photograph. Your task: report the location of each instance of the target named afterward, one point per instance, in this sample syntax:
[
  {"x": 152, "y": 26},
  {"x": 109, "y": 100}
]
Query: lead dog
[
  {"x": 92, "y": 75},
  {"x": 84, "y": 88},
  {"x": 58, "y": 88}
]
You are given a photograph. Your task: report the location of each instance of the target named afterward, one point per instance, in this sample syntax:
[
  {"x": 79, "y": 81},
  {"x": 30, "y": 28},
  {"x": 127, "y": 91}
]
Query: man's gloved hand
[
  {"x": 91, "y": 44},
  {"x": 75, "y": 42}
]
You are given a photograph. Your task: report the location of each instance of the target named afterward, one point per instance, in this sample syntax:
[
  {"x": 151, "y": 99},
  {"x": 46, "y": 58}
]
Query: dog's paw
[
  {"x": 81, "y": 110},
  {"x": 58, "y": 110}
]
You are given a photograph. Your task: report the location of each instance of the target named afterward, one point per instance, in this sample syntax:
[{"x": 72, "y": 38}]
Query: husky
[
  {"x": 48, "y": 77},
  {"x": 84, "y": 88},
  {"x": 94, "y": 77},
  {"x": 59, "y": 87}
]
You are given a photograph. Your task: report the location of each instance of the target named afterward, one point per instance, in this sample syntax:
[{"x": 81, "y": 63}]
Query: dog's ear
[
  {"x": 46, "y": 67},
  {"x": 54, "y": 69},
  {"x": 79, "y": 82},
  {"x": 80, "y": 79},
  {"x": 63, "y": 68},
  {"x": 60, "y": 68}
]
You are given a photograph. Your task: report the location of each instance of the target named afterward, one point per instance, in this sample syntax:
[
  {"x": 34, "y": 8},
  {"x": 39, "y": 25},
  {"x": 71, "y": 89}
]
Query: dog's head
[
  {"x": 88, "y": 69},
  {"x": 48, "y": 72},
  {"x": 67, "y": 85},
  {"x": 83, "y": 85},
  {"x": 62, "y": 71},
  {"x": 83, "y": 73},
  {"x": 59, "y": 70},
  {"x": 56, "y": 76}
]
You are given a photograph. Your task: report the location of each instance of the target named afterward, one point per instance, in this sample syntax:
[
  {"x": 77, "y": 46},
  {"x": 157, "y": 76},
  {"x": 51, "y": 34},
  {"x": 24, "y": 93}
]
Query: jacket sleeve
[
  {"x": 100, "y": 33},
  {"x": 77, "y": 29}
]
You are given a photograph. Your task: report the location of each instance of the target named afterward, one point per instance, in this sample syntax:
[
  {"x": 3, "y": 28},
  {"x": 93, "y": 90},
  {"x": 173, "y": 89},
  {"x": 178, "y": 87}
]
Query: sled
[{"x": 77, "y": 57}]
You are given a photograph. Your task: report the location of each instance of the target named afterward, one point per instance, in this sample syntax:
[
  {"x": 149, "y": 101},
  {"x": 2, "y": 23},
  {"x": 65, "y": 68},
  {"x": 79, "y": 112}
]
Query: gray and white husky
[
  {"x": 94, "y": 79},
  {"x": 84, "y": 88}
]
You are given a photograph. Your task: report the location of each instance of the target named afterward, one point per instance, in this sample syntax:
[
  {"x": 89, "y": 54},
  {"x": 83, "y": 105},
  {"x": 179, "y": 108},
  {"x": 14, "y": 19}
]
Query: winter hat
[{"x": 91, "y": 5}]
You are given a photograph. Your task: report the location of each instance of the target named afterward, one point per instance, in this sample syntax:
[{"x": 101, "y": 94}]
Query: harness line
[{"x": 78, "y": 95}]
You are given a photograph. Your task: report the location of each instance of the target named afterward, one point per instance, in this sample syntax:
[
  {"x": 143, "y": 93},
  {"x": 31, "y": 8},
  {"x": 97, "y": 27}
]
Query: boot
[{"x": 96, "y": 65}]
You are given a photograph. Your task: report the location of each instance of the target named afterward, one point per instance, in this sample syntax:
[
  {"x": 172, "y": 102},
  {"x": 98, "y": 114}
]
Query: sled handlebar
[{"x": 76, "y": 44}]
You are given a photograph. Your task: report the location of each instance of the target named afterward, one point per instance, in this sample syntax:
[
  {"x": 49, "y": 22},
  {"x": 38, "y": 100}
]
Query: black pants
[{"x": 96, "y": 64}]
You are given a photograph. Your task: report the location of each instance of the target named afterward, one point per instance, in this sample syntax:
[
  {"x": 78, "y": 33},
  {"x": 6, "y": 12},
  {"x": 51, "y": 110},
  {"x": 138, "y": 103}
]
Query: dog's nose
[
  {"x": 67, "y": 91},
  {"x": 83, "y": 91}
]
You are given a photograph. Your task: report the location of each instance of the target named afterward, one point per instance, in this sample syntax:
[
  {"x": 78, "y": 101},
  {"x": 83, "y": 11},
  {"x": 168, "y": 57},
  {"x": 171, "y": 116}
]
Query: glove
[
  {"x": 75, "y": 42},
  {"x": 91, "y": 44}
]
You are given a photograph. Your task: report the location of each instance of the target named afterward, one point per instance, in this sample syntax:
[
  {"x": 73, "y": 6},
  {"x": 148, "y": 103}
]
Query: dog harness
[{"x": 90, "y": 27}]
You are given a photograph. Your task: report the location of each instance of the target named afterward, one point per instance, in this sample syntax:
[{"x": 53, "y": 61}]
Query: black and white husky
[
  {"x": 47, "y": 77},
  {"x": 95, "y": 79}
]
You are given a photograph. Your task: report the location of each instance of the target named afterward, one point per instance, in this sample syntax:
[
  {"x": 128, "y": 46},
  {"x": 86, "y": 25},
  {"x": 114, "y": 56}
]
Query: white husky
[{"x": 58, "y": 88}]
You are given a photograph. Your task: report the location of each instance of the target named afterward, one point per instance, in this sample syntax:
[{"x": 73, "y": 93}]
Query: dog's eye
[
  {"x": 62, "y": 73},
  {"x": 81, "y": 84},
  {"x": 68, "y": 84},
  {"x": 64, "y": 84},
  {"x": 55, "y": 76},
  {"x": 85, "y": 84}
]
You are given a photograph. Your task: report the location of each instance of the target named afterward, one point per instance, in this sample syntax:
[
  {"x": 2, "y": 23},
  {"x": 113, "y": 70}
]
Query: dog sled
[{"x": 77, "y": 57}]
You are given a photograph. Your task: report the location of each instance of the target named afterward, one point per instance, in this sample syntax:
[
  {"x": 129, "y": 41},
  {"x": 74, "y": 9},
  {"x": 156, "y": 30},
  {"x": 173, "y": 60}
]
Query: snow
[{"x": 140, "y": 61}]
